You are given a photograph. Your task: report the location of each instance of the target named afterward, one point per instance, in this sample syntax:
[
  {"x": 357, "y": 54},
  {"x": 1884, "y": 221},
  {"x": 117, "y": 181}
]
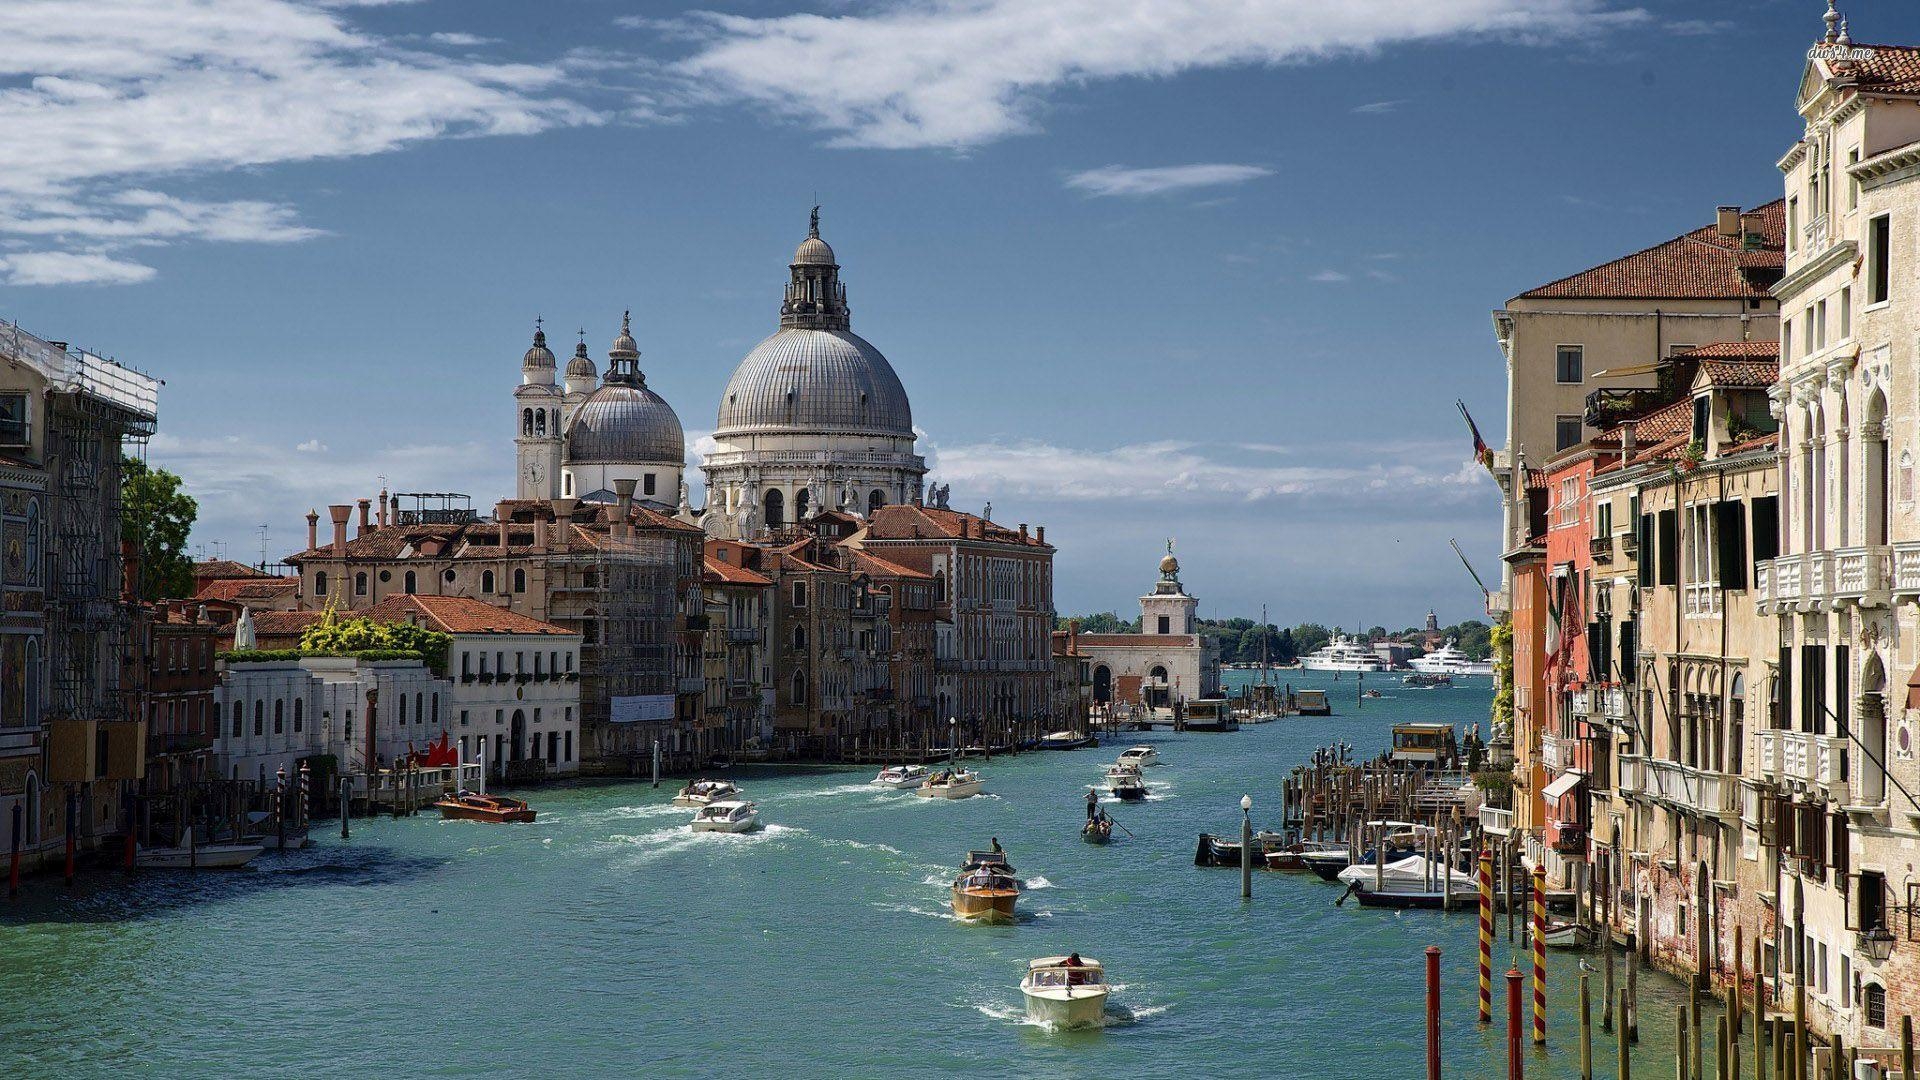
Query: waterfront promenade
[{"x": 606, "y": 940}]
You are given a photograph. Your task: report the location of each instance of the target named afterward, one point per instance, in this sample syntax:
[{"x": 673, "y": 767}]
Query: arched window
[
  {"x": 1158, "y": 674},
  {"x": 360, "y": 584},
  {"x": 776, "y": 509},
  {"x": 435, "y": 701},
  {"x": 1736, "y": 725},
  {"x": 876, "y": 500},
  {"x": 519, "y": 580},
  {"x": 33, "y": 681},
  {"x": 801, "y": 500},
  {"x": 1876, "y": 1005},
  {"x": 799, "y": 594},
  {"x": 486, "y": 581},
  {"x": 320, "y": 583},
  {"x": 799, "y": 688},
  {"x": 410, "y": 583},
  {"x": 299, "y": 715},
  {"x": 403, "y": 708},
  {"x": 279, "y": 716},
  {"x": 419, "y": 710},
  {"x": 540, "y": 422},
  {"x": 526, "y": 421},
  {"x": 939, "y": 586},
  {"x": 239, "y": 719},
  {"x": 259, "y": 718},
  {"x": 1102, "y": 684},
  {"x": 799, "y": 637}
]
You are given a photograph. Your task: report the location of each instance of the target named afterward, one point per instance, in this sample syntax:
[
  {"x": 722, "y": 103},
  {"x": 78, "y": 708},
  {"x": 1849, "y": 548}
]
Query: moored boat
[
  {"x": 191, "y": 856},
  {"x": 951, "y": 784},
  {"x": 706, "y": 792},
  {"x": 727, "y": 817},
  {"x": 900, "y": 777},
  {"x": 986, "y": 889},
  {"x": 472, "y": 806},
  {"x": 1567, "y": 935},
  {"x": 1412, "y": 882},
  {"x": 1066, "y": 992},
  {"x": 1328, "y": 863},
  {"x": 1220, "y": 851},
  {"x": 1066, "y": 740}
]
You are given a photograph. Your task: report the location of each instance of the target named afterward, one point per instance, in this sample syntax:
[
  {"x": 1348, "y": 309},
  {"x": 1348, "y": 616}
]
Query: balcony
[
  {"x": 743, "y": 634},
  {"x": 1580, "y": 703},
  {"x": 1555, "y": 753},
  {"x": 1633, "y": 775},
  {"x": 1906, "y": 570},
  {"x": 693, "y": 684},
  {"x": 1682, "y": 787},
  {"x": 1815, "y": 761},
  {"x": 1861, "y": 575},
  {"x": 1495, "y": 821},
  {"x": 1700, "y": 600},
  {"x": 1601, "y": 548}
]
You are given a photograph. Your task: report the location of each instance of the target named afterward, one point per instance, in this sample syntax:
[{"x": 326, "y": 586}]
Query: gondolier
[{"x": 1093, "y": 804}]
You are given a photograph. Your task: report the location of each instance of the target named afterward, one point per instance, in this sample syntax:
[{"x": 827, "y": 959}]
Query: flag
[
  {"x": 1556, "y": 612},
  {"x": 1482, "y": 453}
]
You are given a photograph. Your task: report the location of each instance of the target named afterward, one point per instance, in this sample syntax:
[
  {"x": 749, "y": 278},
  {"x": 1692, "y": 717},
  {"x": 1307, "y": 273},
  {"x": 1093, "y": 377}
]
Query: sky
[{"x": 1210, "y": 270}]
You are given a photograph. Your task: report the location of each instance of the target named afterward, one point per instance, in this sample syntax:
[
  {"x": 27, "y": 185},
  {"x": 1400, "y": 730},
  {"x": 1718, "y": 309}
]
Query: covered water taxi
[{"x": 1065, "y": 992}]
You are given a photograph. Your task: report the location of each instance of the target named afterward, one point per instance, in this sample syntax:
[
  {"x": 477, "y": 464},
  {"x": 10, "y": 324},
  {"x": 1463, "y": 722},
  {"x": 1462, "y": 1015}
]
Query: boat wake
[
  {"x": 837, "y": 790},
  {"x": 631, "y": 813},
  {"x": 1005, "y": 1013},
  {"x": 1038, "y": 882}
]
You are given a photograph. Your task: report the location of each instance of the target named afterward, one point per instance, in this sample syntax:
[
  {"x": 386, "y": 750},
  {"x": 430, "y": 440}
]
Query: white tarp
[
  {"x": 1562, "y": 784},
  {"x": 640, "y": 708}
]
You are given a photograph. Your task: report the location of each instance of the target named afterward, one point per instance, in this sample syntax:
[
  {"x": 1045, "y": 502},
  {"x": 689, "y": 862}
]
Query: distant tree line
[{"x": 1240, "y": 638}]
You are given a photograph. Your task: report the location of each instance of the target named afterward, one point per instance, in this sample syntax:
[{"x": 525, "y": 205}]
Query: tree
[
  {"x": 1310, "y": 638},
  {"x": 156, "y": 517},
  {"x": 361, "y": 634}
]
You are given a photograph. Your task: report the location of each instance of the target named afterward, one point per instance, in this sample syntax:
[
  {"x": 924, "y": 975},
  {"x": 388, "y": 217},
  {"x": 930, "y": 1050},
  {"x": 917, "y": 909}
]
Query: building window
[
  {"x": 1846, "y": 313},
  {"x": 1879, "y": 258},
  {"x": 409, "y": 583},
  {"x": 1876, "y": 1005},
  {"x": 1566, "y": 432},
  {"x": 259, "y": 718},
  {"x": 360, "y": 584},
  {"x": 14, "y": 428},
  {"x": 1570, "y": 364},
  {"x": 519, "y": 581},
  {"x": 799, "y": 637},
  {"x": 320, "y": 583},
  {"x": 799, "y": 594},
  {"x": 1853, "y": 186},
  {"x": 299, "y": 711},
  {"x": 646, "y": 484},
  {"x": 486, "y": 581},
  {"x": 239, "y": 719}
]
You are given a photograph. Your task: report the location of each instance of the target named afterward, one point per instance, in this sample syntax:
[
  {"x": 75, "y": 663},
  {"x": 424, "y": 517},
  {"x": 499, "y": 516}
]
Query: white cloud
[
  {"x": 1121, "y": 180},
  {"x": 459, "y": 40},
  {"x": 956, "y": 73},
  {"x": 1331, "y": 277},
  {"x": 109, "y": 96},
  {"x": 312, "y": 446},
  {"x": 1375, "y": 108},
  {"x": 71, "y": 268}
]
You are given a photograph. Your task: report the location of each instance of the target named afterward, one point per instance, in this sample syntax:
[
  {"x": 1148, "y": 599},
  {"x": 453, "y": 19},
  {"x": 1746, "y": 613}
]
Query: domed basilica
[{"x": 813, "y": 419}]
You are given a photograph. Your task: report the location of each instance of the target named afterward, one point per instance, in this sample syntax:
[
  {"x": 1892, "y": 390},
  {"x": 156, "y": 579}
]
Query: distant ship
[
  {"x": 1343, "y": 654},
  {"x": 1451, "y": 661}
]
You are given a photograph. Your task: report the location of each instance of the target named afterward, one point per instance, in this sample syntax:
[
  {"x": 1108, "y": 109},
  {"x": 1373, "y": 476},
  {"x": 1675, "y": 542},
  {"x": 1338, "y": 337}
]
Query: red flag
[{"x": 1482, "y": 453}]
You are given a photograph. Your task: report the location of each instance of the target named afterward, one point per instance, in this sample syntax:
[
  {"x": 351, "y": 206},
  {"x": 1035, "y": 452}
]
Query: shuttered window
[
  {"x": 1730, "y": 534},
  {"x": 1669, "y": 535}
]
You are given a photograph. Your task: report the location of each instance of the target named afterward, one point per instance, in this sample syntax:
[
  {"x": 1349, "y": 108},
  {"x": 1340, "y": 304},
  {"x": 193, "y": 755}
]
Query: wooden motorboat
[
  {"x": 1065, "y": 992},
  {"x": 1098, "y": 830},
  {"x": 1139, "y": 756},
  {"x": 472, "y": 806},
  {"x": 1126, "y": 782},
  {"x": 952, "y": 784},
  {"x": 1567, "y": 935},
  {"x": 1220, "y": 851},
  {"x": 986, "y": 889},
  {"x": 706, "y": 792},
  {"x": 726, "y": 817},
  {"x": 1327, "y": 864},
  {"x": 189, "y": 855},
  {"x": 1066, "y": 740},
  {"x": 900, "y": 777}
]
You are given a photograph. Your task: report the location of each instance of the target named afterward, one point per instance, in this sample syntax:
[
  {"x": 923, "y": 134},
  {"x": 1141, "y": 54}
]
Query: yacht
[
  {"x": 986, "y": 889},
  {"x": 900, "y": 777},
  {"x": 1449, "y": 660},
  {"x": 951, "y": 784},
  {"x": 706, "y": 793},
  {"x": 1065, "y": 992},
  {"x": 1139, "y": 756},
  {"x": 1125, "y": 782},
  {"x": 727, "y": 817},
  {"x": 1344, "y": 654}
]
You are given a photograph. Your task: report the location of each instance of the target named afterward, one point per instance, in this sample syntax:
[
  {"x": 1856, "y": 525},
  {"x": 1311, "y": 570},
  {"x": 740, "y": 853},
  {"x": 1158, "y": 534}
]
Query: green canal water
[{"x": 605, "y": 940}]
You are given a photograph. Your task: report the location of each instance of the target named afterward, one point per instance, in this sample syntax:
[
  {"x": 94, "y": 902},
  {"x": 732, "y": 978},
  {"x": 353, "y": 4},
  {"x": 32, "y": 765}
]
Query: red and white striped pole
[
  {"x": 1539, "y": 955},
  {"x": 1486, "y": 935}
]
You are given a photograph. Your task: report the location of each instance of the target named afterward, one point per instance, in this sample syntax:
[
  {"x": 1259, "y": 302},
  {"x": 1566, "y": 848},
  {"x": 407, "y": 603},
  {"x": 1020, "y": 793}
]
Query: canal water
[{"x": 607, "y": 940}]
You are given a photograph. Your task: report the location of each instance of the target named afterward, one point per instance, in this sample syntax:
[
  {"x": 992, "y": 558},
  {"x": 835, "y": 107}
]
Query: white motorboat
[
  {"x": 1343, "y": 654},
  {"x": 192, "y": 856},
  {"x": 1414, "y": 881},
  {"x": 1449, "y": 660},
  {"x": 1140, "y": 756},
  {"x": 706, "y": 793},
  {"x": 952, "y": 784},
  {"x": 900, "y": 777},
  {"x": 1065, "y": 992},
  {"x": 727, "y": 817},
  {"x": 1126, "y": 782}
]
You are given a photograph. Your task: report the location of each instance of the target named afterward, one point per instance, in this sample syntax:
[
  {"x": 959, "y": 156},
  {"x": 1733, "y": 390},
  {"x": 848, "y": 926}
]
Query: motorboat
[
  {"x": 1139, "y": 756},
  {"x": 1449, "y": 660},
  {"x": 1220, "y": 851},
  {"x": 1343, "y": 654},
  {"x": 1294, "y": 856},
  {"x": 986, "y": 889},
  {"x": 189, "y": 855},
  {"x": 707, "y": 792},
  {"x": 1066, "y": 740},
  {"x": 1568, "y": 935},
  {"x": 951, "y": 784},
  {"x": 1427, "y": 680},
  {"x": 731, "y": 816},
  {"x": 264, "y": 828},
  {"x": 1327, "y": 863},
  {"x": 1125, "y": 782},
  {"x": 473, "y": 806},
  {"x": 900, "y": 777},
  {"x": 1415, "y": 881},
  {"x": 1098, "y": 830},
  {"x": 1065, "y": 992}
]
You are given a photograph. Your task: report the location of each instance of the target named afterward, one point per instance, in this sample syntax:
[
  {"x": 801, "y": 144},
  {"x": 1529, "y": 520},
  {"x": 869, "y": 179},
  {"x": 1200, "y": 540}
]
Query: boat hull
[
  {"x": 1130, "y": 793},
  {"x": 1095, "y": 834},
  {"x": 1085, "y": 1009},
  {"x": 1326, "y": 869},
  {"x": 207, "y": 857},
  {"x": 991, "y": 906},
  {"x": 1392, "y": 899},
  {"x": 962, "y": 790},
  {"x": 743, "y": 826},
  {"x": 459, "y": 812}
]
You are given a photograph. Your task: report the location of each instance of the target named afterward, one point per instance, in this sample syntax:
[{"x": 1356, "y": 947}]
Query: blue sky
[{"x": 1206, "y": 269}]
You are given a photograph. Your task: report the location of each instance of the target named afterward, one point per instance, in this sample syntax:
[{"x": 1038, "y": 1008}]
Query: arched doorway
[
  {"x": 801, "y": 500},
  {"x": 1873, "y": 432},
  {"x": 1155, "y": 692},
  {"x": 875, "y": 501},
  {"x": 517, "y": 736},
  {"x": 1873, "y": 731},
  {"x": 776, "y": 506},
  {"x": 1102, "y": 684}
]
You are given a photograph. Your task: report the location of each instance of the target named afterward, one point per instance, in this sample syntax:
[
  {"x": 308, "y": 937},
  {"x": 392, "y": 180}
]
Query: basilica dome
[
  {"x": 623, "y": 423},
  {"x": 811, "y": 380}
]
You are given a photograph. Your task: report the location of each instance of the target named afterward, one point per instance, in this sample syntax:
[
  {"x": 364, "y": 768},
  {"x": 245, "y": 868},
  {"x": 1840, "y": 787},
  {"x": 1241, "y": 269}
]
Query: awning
[
  {"x": 1913, "y": 689},
  {"x": 1562, "y": 784}
]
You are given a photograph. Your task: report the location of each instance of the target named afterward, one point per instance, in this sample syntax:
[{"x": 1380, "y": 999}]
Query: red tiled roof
[
  {"x": 1137, "y": 641},
  {"x": 903, "y": 521},
  {"x": 242, "y": 590},
  {"x": 1701, "y": 264},
  {"x": 212, "y": 569},
  {"x": 719, "y": 571},
  {"x": 1764, "y": 349},
  {"x": 460, "y": 615},
  {"x": 1742, "y": 374},
  {"x": 1891, "y": 69},
  {"x": 874, "y": 564},
  {"x": 280, "y": 624}
]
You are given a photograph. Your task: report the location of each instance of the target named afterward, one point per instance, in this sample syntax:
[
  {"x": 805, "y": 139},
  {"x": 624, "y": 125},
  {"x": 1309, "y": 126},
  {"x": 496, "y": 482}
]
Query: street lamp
[
  {"x": 953, "y": 744},
  {"x": 1246, "y": 847}
]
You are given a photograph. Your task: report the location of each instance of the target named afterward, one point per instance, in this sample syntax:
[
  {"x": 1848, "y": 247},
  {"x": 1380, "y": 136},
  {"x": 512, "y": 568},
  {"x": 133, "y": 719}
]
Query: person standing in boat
[{"x": 1093, "y": 804}]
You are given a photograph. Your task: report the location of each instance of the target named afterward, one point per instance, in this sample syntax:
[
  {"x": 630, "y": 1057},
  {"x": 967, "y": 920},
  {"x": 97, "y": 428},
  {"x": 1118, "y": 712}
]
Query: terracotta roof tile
[
  {"x": 904, "y": 521},
  {"x": 1892, "y": 69},
  {"x": 1742, "y": 374},
  {"x": 1701, "y": 264},
  {"x": 249, "y": 590},
  {"x": 719, "y": 571},
  {"x": 874, "y": 564},
  {"x": 211, "y": 569},
  {"x": 460, "y": 615}
]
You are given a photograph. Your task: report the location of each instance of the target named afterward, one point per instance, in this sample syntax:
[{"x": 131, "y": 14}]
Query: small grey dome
[
  {"x": 539, "y": 357},
  {"x": 624, "y": 347},
  {"x": 815, "y": 381},
  {"x": 581, "y": 366},
  {"x": 624, "y": 423},
  {"x": 813, "y": 251}
]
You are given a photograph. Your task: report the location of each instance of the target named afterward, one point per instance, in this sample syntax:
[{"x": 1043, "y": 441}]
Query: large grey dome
[
  {"x": 815, "y": 381},
  {"x": 623, "y": 423}
]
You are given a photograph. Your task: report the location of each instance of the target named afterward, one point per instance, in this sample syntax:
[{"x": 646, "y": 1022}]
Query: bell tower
[{"x": 537, "y": 440}]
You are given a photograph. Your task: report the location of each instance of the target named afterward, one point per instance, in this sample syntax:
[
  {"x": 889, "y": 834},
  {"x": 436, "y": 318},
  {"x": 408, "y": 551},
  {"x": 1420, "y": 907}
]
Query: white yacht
[
  {"x": 951, "y": 784},
  {"x": 706, "y": 793},
  {"x": 1066, "y": 992},
  {"x": 900, "y": 777},
  {"x": 1139, "y": 756},
  {"x": 728, "y": 817},
  {"x": 1344, "y": 654},
  {"x": 1449, "y": 660}
]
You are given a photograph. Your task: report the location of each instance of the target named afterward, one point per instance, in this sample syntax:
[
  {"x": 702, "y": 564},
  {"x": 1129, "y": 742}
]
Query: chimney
[
  {"x": 340, "y": 513},
  {"x": 313, "y": 529},
  {"x": 1040, "y": 533},
  {"x": 623, "y": 505},
  {"x": 1023, "y": 532},
  {"x": 1627, "y": 442},
  {"x": 384, "y": 499},
  {"x": 366, "y": 526},
  {"x": 1727, "y": 221},
  {"x": 500, "y": 516},
  {"x": 563, "y": 510}
]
